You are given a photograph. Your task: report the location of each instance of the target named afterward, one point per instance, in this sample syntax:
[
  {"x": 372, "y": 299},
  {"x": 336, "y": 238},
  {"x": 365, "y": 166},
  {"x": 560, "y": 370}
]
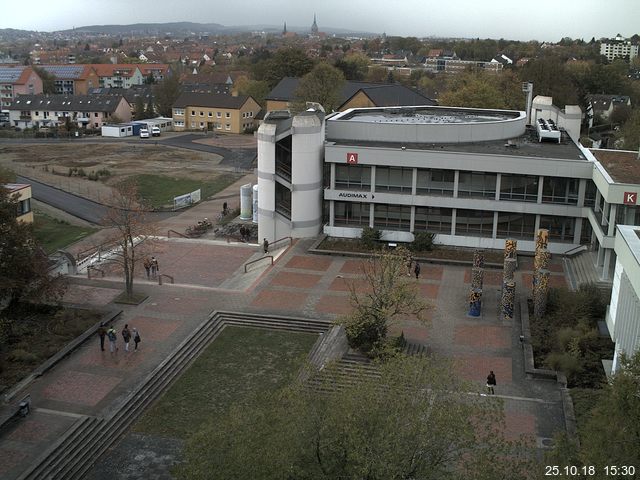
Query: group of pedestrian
[
  {"x": 413, "y": 266},
  {"x": 151, "y": 267},
  {"x": 112, "y": 335},
  {"x": 245, "y": 233}
]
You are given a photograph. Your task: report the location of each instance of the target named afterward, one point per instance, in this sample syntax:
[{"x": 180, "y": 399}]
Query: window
[
  {"x": 193, "y": 124},
  {"x": 202, "y": 114},
  {"x": 560, "y": 190},
  {"x": 353, "y": 177},
  {"x": 201, "y": 124},
  {"x": 590, "y": 194},
  {"x": 394, "y": 179},
  {"x": 519, "y": 187},
  {"x": 179, "y": 123},
  {"x": 227, "y": 126},
  {"x": 477, "y": 185},
  {"x": 227, "y": 115},
  {"x": 193, "y": 113},
  {"x": 516, "y": 225},
  {"x": 433, "y": 220},
  {"x": 283, "y": 200},
  {"x": 435, "y": 182},
  {"x": 218, "y": 115},
  {"x": 179, "y": 112},
  {"x": 219, "y": 126},
  {"x": 24, "y": 206},
  {"x": 210, "y": 114},
  {"x": 392, "y": 217},
  {"x": 351, "y": 214},
  {"x": 560, "y": 228},
  {"x": 95, "y": 114},
  {"x": 477, "y": 223}
]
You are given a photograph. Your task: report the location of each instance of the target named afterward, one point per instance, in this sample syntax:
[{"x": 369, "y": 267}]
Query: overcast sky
[{"x": 548, "y": 20}]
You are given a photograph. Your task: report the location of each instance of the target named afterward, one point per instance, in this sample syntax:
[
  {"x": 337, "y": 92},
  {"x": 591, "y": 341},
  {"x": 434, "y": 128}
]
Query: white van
[
  {"x": 144, "y": 133},
  {"x": 155, "y": 131}
]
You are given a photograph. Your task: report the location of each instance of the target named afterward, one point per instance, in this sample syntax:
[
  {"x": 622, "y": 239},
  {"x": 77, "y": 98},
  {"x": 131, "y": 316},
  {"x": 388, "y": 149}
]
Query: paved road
[
  {"x": 77, "y": 206},
  {"x": 242, "y": 158}
]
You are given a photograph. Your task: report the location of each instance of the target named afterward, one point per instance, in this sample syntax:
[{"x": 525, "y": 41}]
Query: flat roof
[
  {"x": 623, "y": 166},
  {"x": 14, "y": 187},
  {"x": 427, "y": 115},
  {"x": 526, "y": 145}
]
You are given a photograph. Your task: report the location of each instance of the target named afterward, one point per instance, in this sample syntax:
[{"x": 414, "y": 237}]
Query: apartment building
[{"x": 214, "y": 112}]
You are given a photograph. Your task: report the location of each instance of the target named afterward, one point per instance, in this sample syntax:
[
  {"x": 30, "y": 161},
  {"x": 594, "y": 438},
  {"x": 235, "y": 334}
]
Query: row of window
[
  {"x": 202, "y": 125},
  {"x": 475, "y": 223},
  {"x": 470, "y": 184},
  {"x": 180, "y": 112}
]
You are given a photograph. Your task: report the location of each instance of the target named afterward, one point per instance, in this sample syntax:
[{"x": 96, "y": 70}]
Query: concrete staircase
[
  {"x": 582, "y": 271},
  {"x": 75, "y": 452}
]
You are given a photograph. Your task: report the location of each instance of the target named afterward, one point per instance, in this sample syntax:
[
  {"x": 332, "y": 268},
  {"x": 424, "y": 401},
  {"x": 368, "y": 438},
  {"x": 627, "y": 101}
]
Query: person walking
[
  {"x": 491, "y": 383},
  {"x": 147, "y": 266},
  {"x": 136, "y": 339},
  {"x": 265, "y": 246},
  {"x": 102, "y": 332},
  {"x": 113, "y": 338},
  {"x": 409, "y": 264},
  {"x": 416, "y": 270},
  {"x": 126, "y": 336},
  {"x": 154, "y": 267}
]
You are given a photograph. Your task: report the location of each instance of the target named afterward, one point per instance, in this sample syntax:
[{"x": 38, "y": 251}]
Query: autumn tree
[
  {"x": 48, "y": 80},
  {"x": 131, "y": 231},
  {"x": 415, "y": 420},
  {"x": 138, "y": 109},
  {"x": 323, "y": 85},
  {"x": 24, "y": 266},
  {"x": 286, "y": 62},
  {"x": 480, "y": 89},
  {"x": 629, "y": 135},
  {"x": 387, "y": 294},
  {"x": 166, "y": 93},
  {"x": 256, "y": 89},
  {"x": 354, "y": 67}
]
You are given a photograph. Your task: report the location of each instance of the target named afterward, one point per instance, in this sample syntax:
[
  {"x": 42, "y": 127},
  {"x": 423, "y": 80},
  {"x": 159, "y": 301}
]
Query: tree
[
  {"x": 629, "y": 134},
  {"x": 389, "y": 293},
  {"x": 48, "y": 80},
  {"x": 323, "y": 84},
  {"x": 150, "y": 111},
  {"x": 354, "y": 67},
  {"x": 257, "y": 89},
  {"x": 414, "y": 421},
  {"x": 24, "y": 267},
  {"x": 484, "y": 90},
  {"x": 166, "y": 93},
  {"x": 286, "y": 62},
  {"x": 138, "y": 109},
  {"x": 131, "y": 231}
]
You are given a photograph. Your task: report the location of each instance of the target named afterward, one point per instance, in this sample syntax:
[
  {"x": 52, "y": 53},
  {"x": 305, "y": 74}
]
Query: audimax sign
[{"x": 361, "y": 195}]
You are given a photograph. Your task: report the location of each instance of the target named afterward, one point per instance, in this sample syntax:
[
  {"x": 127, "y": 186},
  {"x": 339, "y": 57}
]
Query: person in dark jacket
[
  {"x": 416, "y": 270},
  {"x": 126, "y": 336},
  {"x": 265, "y": 245},
  {"x": 136, "y": 339},
  {"x": 102, "y": 333},
  {"x": 491, "y": 383}
]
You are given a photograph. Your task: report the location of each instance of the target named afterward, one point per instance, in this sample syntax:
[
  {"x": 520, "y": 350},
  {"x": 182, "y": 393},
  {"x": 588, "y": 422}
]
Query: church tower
[{"x": 314, "y": 27}]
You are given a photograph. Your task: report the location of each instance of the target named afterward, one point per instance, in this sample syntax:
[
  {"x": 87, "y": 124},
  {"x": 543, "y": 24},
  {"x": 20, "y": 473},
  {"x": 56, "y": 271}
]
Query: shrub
[
  {"x": 370, "y": 237},
  {"x": 20, "y": 355},
  {"x": 81, "y": 172},
  {"x": 423, "y": 242}
]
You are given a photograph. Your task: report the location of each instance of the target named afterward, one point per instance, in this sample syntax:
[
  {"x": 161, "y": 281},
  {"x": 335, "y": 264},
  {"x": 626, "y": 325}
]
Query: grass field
[
  {"x": 159, "y": 190},
  {"x": 239, "y": 363},
  {"x": 53, "y": 234}
]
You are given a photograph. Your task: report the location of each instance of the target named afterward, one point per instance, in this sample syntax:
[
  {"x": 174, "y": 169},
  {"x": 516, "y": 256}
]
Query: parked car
[
  {"x": 144, "y": 133},
  {"x": 155, "y": 131}
]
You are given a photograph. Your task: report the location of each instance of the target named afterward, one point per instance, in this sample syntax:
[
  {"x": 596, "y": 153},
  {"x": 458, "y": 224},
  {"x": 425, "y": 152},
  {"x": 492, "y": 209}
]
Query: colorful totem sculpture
[
  {"x": 477, "y": 272},
  {"x": 508, "y": 282},
  {"x": 475, "y": 302},
  {"x": 508, "y": 299},
  {"x": 540, "y": 273},
  {"x": 541, "y": 295}
]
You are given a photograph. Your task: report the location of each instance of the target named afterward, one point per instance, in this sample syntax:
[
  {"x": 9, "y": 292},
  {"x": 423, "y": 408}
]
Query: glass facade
[
  {"x": 392, "y": 217},
  {"x": 560, "y": 190},
  {"x": 477, "y": 185},
  {"x": 435, "y": 182},
  {"x": 561, "y": 229},
  {"x": 353, "y": 177},
  {"x": 394, "y": 179},
  {"x": 433, "y": 220},
  {"x": 283, "y": 200},
  {"x": 516, "y": 225},
  {"x": 477, "y": 223},
  {"x": 590, "y": 194},
  {"x": 351, "y": 214},
  {"x": 522, "y": 188}
]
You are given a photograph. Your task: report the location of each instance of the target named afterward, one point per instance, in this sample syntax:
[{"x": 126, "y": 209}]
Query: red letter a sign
[{"x": 352, "y": 158}]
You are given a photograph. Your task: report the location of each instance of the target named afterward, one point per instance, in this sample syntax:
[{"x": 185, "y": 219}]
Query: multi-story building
[
  {"x": 84, "y": 111},
  {"x": 214, "y": 112},
  {"x": 159, "y": 71},
  {"x": 73, "y": 79},
  {"x": 17, "y": 80},
  {"x": 23, "y": 193},
  {"x": 618, "y": 47},
  {"x": 473, "y": 177},
  {"x": 118, "y": 75}
]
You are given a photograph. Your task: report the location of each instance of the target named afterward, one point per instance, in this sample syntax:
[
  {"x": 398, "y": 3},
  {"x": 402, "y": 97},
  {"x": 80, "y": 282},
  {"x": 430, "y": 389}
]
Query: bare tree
[{"x": 132, "y": 232}]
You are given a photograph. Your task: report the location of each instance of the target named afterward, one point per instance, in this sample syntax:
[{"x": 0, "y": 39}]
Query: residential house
[
  {"x": 18, "y": 80},
  {"x": 352, "y": 94},
  {"x": 158, "y": 70},
  {"x": 131, "y": 94},
  {"x": 23, "y": 192},
  {"x": 73, "y": 79},
  {"x": 604, "y": 105},
  {"x": 214, "y": 112},
  {"x": 118, "y": 75},
  {"x": 503, "y": 59},
  {"x": 84, "y": 111}
]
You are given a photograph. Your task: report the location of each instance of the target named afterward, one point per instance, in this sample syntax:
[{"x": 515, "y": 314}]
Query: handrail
[
  {"x": 94, "y": 249},
  {"x": 280, "y": 240},
  {"x": 575, "y": 249},
  {"x": 257, "y": 260},
  {"x": 164, "y": 275},
  {"x": 177, "y": 233},
  {"x": 91, "y": 267}
]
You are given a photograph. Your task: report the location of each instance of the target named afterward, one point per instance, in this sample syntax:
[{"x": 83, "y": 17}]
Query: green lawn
[
  {"x": 159, "y": 190},
  {"x": 53, "y": 234},
  {"x": 239, "y": 363}
]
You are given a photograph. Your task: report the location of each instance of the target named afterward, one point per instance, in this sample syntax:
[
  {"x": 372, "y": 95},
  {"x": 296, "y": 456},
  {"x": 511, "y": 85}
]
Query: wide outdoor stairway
[
  {"x": 582, "y": 271},
  {"x": 72, "y": 455}
]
